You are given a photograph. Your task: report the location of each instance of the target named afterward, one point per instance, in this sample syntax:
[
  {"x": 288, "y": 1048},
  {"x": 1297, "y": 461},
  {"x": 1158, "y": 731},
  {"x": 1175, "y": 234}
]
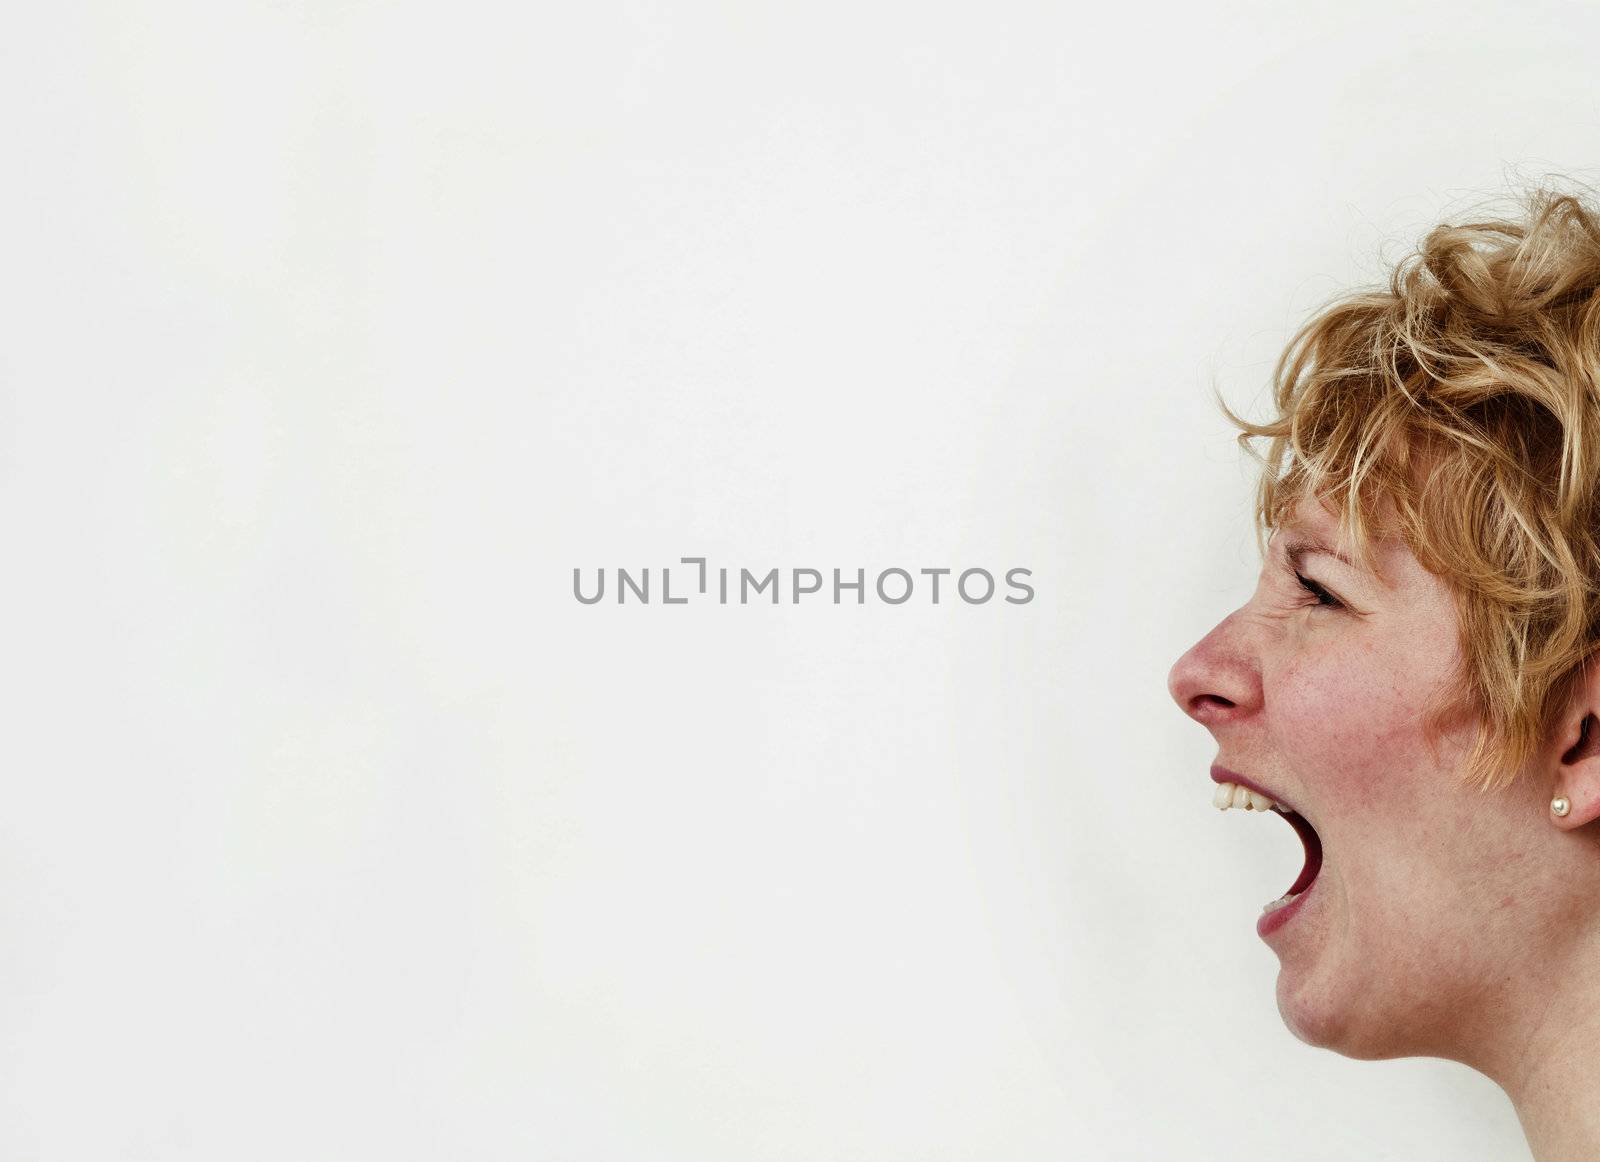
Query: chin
[{"x": 1353, "y": 1021}]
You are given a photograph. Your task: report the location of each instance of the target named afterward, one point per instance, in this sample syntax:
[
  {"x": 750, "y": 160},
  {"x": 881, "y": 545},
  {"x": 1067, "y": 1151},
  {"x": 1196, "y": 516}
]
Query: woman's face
[{"x": 1317, "y": 695}]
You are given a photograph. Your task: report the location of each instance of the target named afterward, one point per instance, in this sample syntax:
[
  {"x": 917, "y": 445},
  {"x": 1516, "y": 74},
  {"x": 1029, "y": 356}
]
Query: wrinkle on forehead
[
  {"x": 1315, "y": 527},
  {"x": 1363, "y": 522}
]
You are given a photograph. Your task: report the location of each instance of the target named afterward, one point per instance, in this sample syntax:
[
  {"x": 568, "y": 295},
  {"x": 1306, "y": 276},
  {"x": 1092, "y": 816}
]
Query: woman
[{"x": 1408, "y": 686}]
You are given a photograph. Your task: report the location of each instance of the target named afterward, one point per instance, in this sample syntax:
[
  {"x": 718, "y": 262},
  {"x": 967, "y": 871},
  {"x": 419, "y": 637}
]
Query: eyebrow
[{"x": 1297, "y": 547}]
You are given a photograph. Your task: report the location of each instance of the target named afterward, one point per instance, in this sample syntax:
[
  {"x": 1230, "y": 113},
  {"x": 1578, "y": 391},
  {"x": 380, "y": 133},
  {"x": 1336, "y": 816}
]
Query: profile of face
[{"x": 1429, "y": 897}]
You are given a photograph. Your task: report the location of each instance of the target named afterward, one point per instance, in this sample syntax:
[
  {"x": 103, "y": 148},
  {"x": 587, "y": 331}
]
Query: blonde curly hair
[{"x": 1459, "y": 408}]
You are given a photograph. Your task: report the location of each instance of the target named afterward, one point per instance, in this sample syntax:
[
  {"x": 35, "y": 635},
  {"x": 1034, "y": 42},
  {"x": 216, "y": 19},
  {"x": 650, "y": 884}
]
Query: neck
[{"x": 1554, "y": 1081}]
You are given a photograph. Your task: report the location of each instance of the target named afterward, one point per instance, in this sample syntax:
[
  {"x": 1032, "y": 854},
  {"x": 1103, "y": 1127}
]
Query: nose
[{"x": 1218, "y": 680}]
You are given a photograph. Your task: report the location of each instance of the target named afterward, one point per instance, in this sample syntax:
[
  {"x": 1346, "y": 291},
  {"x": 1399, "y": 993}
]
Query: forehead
[{"x": 1313, "y": 528}]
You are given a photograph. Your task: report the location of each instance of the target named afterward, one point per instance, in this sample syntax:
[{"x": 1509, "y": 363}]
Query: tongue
[{"x": 1313, "y": 845}]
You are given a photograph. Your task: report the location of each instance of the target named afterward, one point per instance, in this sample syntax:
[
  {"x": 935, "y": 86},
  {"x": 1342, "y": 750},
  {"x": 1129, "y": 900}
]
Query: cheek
[{"x": 1348, "y": 722}]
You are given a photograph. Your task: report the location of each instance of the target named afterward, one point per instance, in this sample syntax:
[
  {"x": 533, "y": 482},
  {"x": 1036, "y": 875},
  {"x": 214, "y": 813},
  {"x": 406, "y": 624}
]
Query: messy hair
[{"x": 1459, "y": 409}]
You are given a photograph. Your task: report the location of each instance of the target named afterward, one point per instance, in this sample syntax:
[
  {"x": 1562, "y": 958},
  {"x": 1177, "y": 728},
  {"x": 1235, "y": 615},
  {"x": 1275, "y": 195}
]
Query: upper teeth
[{"x": 1233, "y": 795}]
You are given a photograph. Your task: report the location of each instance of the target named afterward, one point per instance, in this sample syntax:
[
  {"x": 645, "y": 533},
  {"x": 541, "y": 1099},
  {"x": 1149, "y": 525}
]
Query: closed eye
[{"x": 1324, "y": 598}]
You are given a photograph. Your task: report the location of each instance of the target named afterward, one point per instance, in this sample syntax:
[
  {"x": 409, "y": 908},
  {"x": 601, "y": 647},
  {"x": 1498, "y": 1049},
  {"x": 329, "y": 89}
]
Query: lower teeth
[{"x": 1280, "y": 902}]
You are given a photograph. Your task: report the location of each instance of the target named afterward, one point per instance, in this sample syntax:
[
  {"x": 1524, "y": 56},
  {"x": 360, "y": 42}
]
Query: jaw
[{"x": 1355, "y": 977}]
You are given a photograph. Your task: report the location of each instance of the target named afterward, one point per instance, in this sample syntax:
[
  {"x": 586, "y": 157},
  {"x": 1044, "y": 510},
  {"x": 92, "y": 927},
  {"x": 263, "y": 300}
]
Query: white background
[{"x": 336, "y": 335}]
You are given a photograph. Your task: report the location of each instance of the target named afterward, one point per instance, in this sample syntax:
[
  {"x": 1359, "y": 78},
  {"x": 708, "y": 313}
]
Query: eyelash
[{"x": 1324, "y": 598}]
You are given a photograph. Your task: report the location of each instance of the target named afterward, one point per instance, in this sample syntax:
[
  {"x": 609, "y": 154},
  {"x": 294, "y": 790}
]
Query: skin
[{"x": 1446, "y": 921}]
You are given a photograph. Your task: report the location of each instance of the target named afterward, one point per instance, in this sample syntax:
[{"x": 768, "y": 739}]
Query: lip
[
  {"x": 1269, "y": 922},
  {"x": 1221, "y": 774}
]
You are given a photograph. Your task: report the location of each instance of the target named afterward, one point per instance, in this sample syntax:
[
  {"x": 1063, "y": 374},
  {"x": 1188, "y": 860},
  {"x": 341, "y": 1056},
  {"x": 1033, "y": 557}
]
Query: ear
[{"x": 1577, "y": 778}]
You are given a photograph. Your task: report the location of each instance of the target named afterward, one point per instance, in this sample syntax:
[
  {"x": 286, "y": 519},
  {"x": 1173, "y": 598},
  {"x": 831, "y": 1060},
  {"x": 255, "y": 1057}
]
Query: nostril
[{"x": 1203, "y": 706}]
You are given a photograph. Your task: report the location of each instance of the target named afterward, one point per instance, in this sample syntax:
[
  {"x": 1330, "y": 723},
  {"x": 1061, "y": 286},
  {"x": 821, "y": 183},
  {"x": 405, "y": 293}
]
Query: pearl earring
[{"x": 1560, "y": 806}]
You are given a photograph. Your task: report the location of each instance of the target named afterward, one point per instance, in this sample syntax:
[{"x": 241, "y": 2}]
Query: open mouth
[
  {"x": 1246, "y": 796},
  {"x": 1313, "y": 846}
]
